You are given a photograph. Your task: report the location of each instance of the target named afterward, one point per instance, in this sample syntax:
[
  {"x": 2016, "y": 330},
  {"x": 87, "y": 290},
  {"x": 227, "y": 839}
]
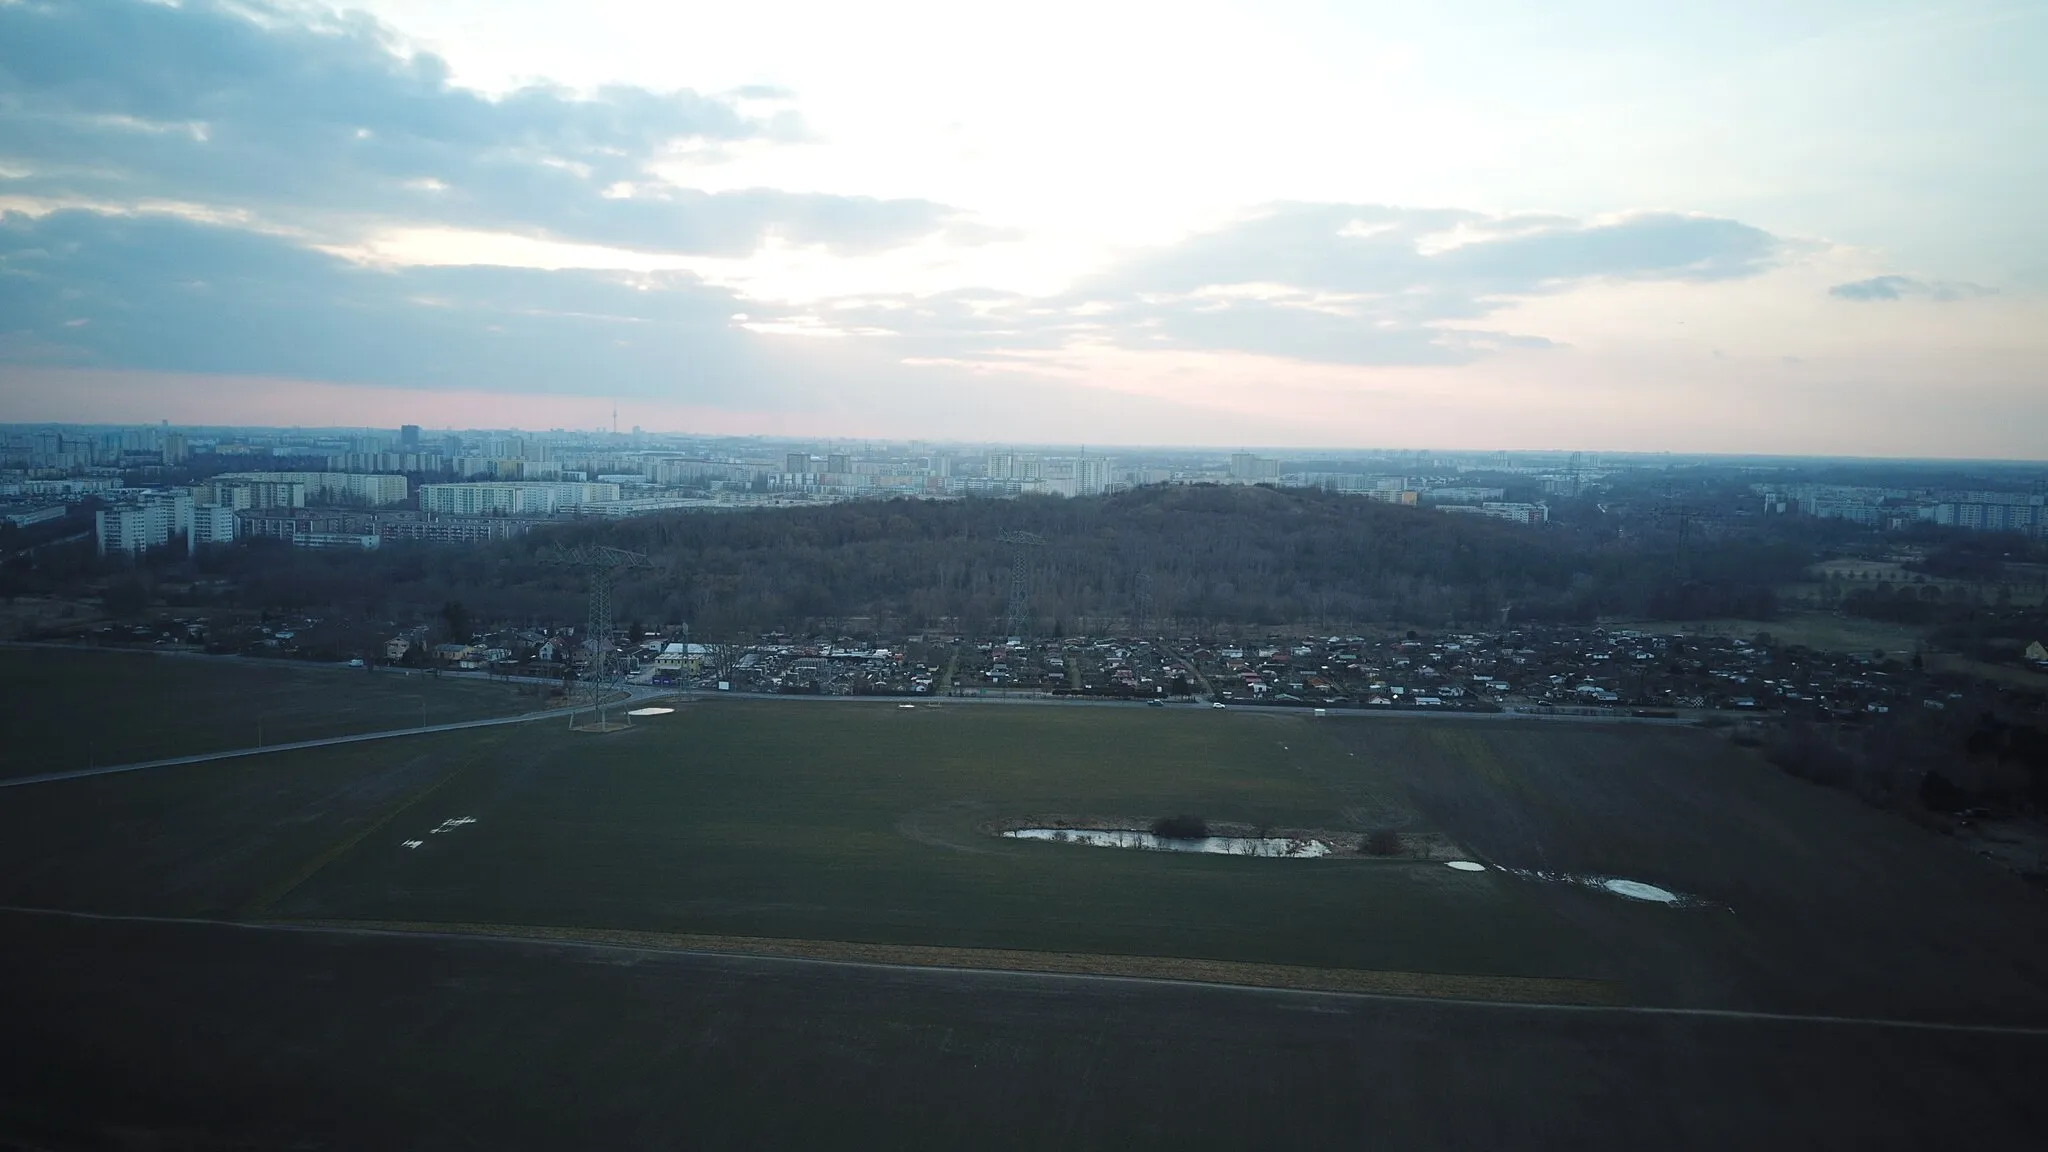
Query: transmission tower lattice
[
  {"x": 1022, "y": 546},
  {"x": 606, "y": 675},
  {"x": 1142, "y": 604}
]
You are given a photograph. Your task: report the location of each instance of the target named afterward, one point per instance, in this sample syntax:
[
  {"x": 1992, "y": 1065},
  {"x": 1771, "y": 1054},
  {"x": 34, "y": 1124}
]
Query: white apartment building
[
  {"x": 251, "y": 493},
  {"x": 351, "y": 487},
  {"x": 148, "y": 520},
  {"x": 213, "y": 524},
  {"x": 511, "y": 498}
]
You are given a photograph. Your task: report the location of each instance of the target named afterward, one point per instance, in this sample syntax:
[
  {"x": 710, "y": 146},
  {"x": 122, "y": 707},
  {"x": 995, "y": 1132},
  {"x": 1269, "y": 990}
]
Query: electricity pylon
[
  {"x": 1022, "y": 546},
  {"x": 604, "y": 565}
]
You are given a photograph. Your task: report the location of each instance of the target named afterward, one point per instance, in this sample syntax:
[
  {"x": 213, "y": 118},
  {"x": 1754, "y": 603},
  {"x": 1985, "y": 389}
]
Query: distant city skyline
[{"x": 1795, "y": 228}]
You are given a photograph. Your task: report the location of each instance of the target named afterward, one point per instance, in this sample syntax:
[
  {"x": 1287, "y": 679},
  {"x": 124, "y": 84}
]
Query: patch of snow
[{"x": 1265, "y": 846}]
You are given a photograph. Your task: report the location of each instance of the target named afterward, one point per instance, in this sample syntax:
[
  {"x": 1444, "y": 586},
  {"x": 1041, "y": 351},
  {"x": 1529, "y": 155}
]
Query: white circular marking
[
  {"x": 1468, "y": 866},
  {"x": 1636, "y": 890},
  {"x": 650, "y": 712}
]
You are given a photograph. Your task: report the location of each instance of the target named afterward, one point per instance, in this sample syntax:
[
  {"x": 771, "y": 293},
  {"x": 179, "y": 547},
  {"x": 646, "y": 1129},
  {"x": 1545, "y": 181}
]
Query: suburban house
[{"x": 681, "y": 657}]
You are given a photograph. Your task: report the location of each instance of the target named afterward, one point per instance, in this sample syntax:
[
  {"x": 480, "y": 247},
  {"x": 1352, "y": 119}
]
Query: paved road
[
  {"x": 634, "y": 696},
  {"x": 1183, "y": 706}
]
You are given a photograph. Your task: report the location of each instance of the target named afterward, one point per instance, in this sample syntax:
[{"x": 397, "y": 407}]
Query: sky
[{"x": 1796, "y": 226}]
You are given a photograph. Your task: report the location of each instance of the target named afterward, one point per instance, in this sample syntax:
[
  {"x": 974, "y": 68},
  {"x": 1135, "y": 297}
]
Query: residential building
[
  {"x": 23, "y": 515},
  {"x": 1457, "y": 495},
  {"x": 310, "y": 527},
  {"x": 1519, "y": 513},
  {"x": 512, "y": 498},
  {"x": 213, "y": 524},
  {"x": 251, "y": 493},
  {"x": 333, "y": 487},
  {"x": 1249, "y": 469},
  {"x": 146, "y": 520},
  {"x": 681, "y": 658}
]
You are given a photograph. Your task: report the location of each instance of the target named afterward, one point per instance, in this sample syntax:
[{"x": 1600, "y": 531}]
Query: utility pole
[
  {"x": 603, "y": 564},
  {"x": 1022, "y": 547}
]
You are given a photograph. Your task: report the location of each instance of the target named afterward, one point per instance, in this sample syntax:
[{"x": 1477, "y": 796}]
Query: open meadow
[
  {"x": 540, "y": 914},
  {"x": 73, "y": 708}
]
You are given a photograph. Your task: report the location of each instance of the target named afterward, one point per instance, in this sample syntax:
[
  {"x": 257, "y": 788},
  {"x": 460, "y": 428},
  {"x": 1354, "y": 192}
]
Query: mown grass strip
[{"x": 1433, "y": 985}]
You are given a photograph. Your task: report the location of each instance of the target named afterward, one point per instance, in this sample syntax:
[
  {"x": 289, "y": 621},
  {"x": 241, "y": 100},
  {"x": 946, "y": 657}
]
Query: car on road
[
  {"x": 1215, "y": 703},
  {"x": 1155, "y": 703}
]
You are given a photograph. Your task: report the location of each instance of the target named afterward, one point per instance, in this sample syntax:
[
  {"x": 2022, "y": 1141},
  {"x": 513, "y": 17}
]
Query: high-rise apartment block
[
  {"x": 511, "y": 498},
  {"x": 333, "y": 487},
  {"x": 147, "y": 520}
]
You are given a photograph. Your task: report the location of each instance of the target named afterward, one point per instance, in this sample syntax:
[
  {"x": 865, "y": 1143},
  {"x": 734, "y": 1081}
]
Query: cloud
[
  {"x": 1351, "y": 285},
  {"x": 166, "y": 294},
  {"x": 100, "y": 312},
  {"x": 1335, "y": 283},
  {"x": 1900, "y": 287},
  {"x": 325, "y": 124}
]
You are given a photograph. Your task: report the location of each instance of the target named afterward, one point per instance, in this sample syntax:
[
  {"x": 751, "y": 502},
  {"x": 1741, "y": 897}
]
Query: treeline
[
  {"x": 1183, "y": 557},
  {"x": 1919, "y": 761}
]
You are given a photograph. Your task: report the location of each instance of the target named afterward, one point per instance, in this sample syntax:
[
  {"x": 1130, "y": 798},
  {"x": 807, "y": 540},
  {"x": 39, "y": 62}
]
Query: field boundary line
[{"x": 403, "y": 929}]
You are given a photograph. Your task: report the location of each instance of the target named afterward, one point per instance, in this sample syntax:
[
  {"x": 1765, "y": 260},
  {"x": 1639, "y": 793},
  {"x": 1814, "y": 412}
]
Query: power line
[{"x": 604, "y": 565}]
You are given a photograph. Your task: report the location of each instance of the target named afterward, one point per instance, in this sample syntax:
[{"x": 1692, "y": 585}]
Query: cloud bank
[{"x": 328, "y": 126}]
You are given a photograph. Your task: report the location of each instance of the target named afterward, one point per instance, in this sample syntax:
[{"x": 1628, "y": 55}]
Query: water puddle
[
  {"x": 1274, "y": 847},
  {"x": 1632, "y": 889},
  {"x": 650, "y": 712}
]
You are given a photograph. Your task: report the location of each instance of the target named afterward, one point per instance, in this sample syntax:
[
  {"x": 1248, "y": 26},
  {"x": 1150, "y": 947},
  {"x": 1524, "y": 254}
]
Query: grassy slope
[{"x": 68, "y": 709}]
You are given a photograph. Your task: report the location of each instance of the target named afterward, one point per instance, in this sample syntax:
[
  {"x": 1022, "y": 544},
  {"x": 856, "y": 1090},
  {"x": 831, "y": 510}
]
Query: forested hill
[{"x": 1198, "y": 556}]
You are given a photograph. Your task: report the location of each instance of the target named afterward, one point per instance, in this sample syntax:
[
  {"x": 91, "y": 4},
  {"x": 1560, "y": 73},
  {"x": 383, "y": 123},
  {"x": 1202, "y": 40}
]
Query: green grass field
[
  {"x": 842, "y": 828},
  {"x": 858, "y": 822},
  {"x": 75, "y": 708}
]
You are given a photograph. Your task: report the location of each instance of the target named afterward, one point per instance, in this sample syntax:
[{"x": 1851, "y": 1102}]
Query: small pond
[{"x": 1269, "y": 846}]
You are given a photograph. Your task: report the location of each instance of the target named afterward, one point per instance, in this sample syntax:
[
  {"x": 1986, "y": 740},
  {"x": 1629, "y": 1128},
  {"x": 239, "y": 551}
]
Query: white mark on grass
[
  {"x": 1272, "y": 847},
  {"x": 452, "y": 823},
  {"x": 1637, "y": 890},
  {"x": 906, "y": 705},
  {"x": 650, "y": 712},
  {"x": 1468, "y": 866},
  {"x": 1614, "y": 885},
  {"x": 414, "y": 843}
]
